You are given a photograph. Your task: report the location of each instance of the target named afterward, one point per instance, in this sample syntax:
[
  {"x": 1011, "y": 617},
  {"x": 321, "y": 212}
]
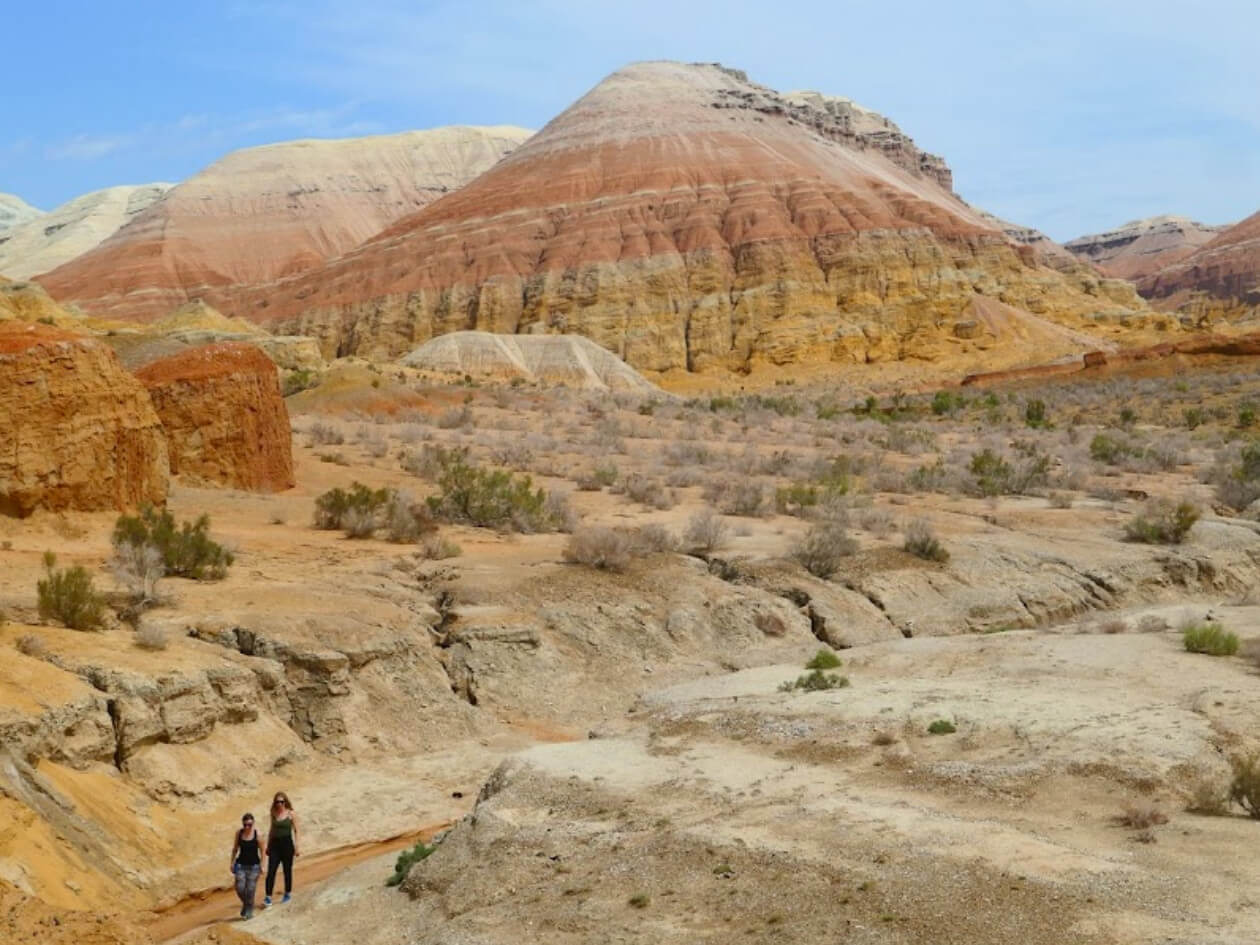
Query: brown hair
[{"x": 280, "y": 798}]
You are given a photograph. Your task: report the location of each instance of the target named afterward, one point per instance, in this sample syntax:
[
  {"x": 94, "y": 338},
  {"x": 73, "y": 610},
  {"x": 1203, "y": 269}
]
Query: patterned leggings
[{"x": 246, "y": 883}]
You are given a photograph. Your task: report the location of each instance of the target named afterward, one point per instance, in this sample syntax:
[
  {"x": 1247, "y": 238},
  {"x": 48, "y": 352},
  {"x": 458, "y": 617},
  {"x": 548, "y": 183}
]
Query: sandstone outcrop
[
  {"x": 225, "y": 420},
  {"x": 1220, "y": 278},
  {"x": 45, "y": 242},
  {"x": 1142, "y": 247},
  {"x": 685, "y": 218},
  {"x": 569, "y": 360},
  {"x": 78, "y": 431},
  {"x": 270, "y": 211},
  {"x": 28, "y": 302}
]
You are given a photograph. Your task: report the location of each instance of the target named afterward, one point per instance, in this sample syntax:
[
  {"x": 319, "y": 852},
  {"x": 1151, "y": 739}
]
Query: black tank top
[{"x": 247, "y": 855}]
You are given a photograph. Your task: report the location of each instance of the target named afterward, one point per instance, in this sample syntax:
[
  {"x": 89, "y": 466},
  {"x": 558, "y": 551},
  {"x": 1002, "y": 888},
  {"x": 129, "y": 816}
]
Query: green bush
[
  {"x": 942, "y": 727},
  {"x": 1162, "y": 523},
  {"x": 947, "y": 402},
  {"x": 187, "y": 550},
  {"x": 1238, "y": 482},
  {"x": 68, "y": 596},
  {"x": 1209, "y": 638},
  {"x": 1108, "y": 449},
  {"x": 297, "y": 381},
  {"x": 816, "y": 681},
  {"x": 794, "y": 499},
  {"x": 489, "y": 498},
  {"x": 407, "y": 859},
  {"x": 1194, "y": 417},
  {"x": 1035, "y": 414},
  {"x": 823, "y": 659}
]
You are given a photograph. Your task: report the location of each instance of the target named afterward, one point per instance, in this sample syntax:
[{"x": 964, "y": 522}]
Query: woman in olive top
[
  {"x": 247, "y": 863},
  {"x": 282, "y": 845}
]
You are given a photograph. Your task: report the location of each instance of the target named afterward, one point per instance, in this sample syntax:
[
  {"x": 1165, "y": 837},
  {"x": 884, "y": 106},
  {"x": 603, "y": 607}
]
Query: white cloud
[{"x": 85, "y": 147}]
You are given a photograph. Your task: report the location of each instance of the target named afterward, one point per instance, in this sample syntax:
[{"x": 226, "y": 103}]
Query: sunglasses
[{"x": 248, "y": 823}]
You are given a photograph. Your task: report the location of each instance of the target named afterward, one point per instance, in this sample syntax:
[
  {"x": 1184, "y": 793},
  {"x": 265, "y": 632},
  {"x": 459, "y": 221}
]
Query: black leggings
[{"x": 281, "y": 853}]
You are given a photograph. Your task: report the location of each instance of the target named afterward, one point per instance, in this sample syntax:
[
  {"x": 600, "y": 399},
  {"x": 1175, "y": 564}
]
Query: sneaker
[
  {"x": 243, "y": 913},
  {"x": 249, "y": 914},
  {"x": 266, "y": 902},
  {"x": 285, "y": 899}
]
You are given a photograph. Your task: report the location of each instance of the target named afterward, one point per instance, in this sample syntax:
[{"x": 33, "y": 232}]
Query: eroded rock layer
[
  {"x": 569, "y": 360},
  {"x": 78, "y": 432},
  {"x": 1222, "y": 277},
  {"x": 686, "y": 218},
  {"x": 270, "y": 211},
  {"x": 223, "y": 415},
  {"x": 47, "y": 241},
  {"x": 1140, "y": 248}
]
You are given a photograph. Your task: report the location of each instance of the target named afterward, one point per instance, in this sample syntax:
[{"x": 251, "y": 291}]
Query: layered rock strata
[
  {"x": 551, "y": 360},
  {"x": 1221, "y": 278},
  {"x": 685, "y": 218},
  {"x": 1139, "y": 249},
  {"x": 226, "y": 422},
  {"x": 78, "y": 431},
  {"x": 262, "y": 213}
]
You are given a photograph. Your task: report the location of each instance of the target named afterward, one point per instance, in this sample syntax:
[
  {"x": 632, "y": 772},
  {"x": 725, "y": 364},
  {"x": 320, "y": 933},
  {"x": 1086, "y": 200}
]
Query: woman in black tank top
[{"x": 247, "y": 863}]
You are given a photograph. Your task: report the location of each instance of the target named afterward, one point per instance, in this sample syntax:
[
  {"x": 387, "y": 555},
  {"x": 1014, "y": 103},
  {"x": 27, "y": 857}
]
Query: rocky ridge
[
  {"x": 266, "y": 212},
  {"x": 224, "y": 417},
  {"x": 47, "y": 241},
  {"x": 1219, "y": 279},
  {"x": 1140, "y": 248},
  {"x": 15, "y": 211},
  {"x": 80, "y": 432},
  {"x": 687, "y": 219}
]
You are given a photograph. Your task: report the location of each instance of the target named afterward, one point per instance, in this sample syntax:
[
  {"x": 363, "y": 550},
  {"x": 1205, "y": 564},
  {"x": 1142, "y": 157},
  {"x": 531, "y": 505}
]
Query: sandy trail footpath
[{"x": 200, "y": 910}]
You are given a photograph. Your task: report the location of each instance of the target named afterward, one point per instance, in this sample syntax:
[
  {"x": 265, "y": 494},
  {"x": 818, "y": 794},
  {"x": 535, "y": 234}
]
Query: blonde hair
[{"x": 280, "y": 798}]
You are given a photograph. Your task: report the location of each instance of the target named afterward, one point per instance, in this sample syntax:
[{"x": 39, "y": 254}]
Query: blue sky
[{"x": 1069, "y": 116}]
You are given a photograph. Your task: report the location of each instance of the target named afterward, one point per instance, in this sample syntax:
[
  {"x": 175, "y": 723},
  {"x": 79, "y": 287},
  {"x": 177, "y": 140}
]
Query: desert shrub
[
  {"x": 1209, "y": 638},
  {"x": 1244, "y": 787},
  {"x": 795, "y": 499},
  {"x": 647, "y": 491},
  {"x": 138, "y": 568},
  {"x": 1141, "y": 817},
  {"x": 68, "y": 596},
  {"x": 1060, "y": 500},
  {"x": 1209, "y": 797},
  {"x": 1108, "y": 449},
  {"x": 297, "y": 381},
  {"x": 705, "y": 533},
  {"x": 822, "y": 549},
  {"x": 654, "y": 538},
  {"x": 407, "y": 859},
  {"x": 489, "y": 498},
  {"x": 995, "y": 474},
  {"x": 28, "y": 644},
  {"x": 325, "y": 434},
  {"x": 1194, "y": 417},
  {"x": 455, "y": 417},
  {"x": 436, "y": 548},
  {"x": 1246, "y": 415},
  {"x": 187, "y": 549},
  {"x": 1114, "y": 625},
  {"x": 151, "y": 637},
  {"x": 334, "y": 508},
  {"x": 876, "y": 521},
  {"x": 942, "y": 727},
  {"x": 559, "y": 513},
  {"x": 596, "y": 546},
  {"x": 1237, "y": 477},
  {"x": 946, "y": 401},
  {"x": 601, "y": 476},
  {"x": 816, "y": 681},
  {"x": 736, "y": 497},
  {"x": 1152, "y": 623},
  {"x": 428, "y": 461},
  {"x": 405, "y": 520},
  {"x": 1035, "y": 414},
  {"x": 922, "y": 542},
  {"x": 1162, "y": 523},
  {"x": 823, "y": 659},
  {"x": 685, "y": 453}
]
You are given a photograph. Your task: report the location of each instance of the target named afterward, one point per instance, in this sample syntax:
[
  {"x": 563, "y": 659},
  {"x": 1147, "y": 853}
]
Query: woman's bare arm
[{"x": 236, "y": 846}]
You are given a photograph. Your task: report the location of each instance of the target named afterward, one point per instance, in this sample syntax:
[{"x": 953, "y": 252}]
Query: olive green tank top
[{"x": 282, "y": 829}]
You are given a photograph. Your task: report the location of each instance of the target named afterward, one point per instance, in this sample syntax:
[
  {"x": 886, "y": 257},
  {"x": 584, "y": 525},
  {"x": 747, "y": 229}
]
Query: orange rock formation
[
  {"x": 1220, "y": 278},
  {"x": 224, "y": 417},
  {"x": 76, "y": 430}
]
